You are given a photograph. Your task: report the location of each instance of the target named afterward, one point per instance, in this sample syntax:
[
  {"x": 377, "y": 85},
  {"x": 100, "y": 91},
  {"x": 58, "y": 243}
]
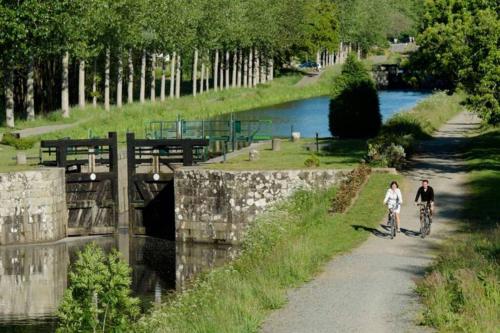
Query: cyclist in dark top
[{"x": 426, "y": 194}]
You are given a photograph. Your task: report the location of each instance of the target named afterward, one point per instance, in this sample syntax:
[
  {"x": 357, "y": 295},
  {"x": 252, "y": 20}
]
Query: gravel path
[{"x": 371, "y": 289}]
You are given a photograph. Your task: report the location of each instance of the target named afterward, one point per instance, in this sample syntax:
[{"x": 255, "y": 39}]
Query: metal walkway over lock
[{"x": 229, "y": 132}]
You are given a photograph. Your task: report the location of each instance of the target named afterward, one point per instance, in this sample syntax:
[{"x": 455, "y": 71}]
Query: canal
[
  {"x": 33, "y": 277},
  {"x": 309, "y": 116}
]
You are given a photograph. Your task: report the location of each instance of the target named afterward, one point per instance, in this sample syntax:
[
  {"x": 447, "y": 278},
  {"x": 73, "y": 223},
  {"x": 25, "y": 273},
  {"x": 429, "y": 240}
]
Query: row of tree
[
  {"x": 50, "y": 46},
  {"x": 459, "y": 48}
]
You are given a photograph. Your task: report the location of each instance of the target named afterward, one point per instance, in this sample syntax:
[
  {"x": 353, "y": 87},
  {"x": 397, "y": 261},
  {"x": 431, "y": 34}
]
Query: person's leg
[{"x": 397, "y": 221}]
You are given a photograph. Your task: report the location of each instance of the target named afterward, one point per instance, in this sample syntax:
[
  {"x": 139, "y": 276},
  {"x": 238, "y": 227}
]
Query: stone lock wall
[
  {"x": 217, "y": 206},
  {"x": 32, "y": 206}
]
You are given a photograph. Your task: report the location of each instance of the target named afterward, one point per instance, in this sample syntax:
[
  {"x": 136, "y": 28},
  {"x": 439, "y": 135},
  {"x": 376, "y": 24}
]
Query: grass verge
[
  {"x": 337, "y": 154},
  {"x": 461, "y": 292},
  {"x": 284, "y": 248}
]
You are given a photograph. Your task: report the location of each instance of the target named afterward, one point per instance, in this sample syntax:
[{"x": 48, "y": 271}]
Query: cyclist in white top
[{"x": 393, "y": 199}]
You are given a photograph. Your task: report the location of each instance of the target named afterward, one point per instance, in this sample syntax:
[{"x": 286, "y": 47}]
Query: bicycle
[
  {"x": 425, "y": 219},
  {"x": 391, "y": 222}
]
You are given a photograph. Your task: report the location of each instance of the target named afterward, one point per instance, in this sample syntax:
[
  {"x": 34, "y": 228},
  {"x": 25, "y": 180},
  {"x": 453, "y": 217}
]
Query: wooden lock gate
[
  {"x": 91, "y": 181},
  {"x": 150, "y": 164}
]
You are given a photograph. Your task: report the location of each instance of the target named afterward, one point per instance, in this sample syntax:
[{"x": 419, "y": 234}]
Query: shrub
[
  {"x": 20, "y": 144},
  {"x": 350, "y": 188},
  {"x": 354, "y": 108},
  {"x": 98, "y": 297},
  {"x": 390, "y": 150},
  {"x": 312, "y": 161},
  {"x": 355, "y": 112}
]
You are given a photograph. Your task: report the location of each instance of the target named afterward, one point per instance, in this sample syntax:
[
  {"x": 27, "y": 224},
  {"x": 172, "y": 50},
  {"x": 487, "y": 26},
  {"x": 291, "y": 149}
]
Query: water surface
[{"x": 311, "y": 115}]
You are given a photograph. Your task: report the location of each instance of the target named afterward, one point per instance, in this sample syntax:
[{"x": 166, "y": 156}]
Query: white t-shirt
[{"x": 393, "y": 198}]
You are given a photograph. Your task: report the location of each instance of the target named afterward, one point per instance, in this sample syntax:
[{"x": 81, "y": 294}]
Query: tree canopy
[{"x": 459, "y": 48}]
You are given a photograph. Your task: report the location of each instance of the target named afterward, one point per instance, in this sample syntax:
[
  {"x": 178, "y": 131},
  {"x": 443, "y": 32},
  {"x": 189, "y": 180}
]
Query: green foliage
[
  {"x": 312, "y": 161},
  {"x": 369, "y": 23},
  {"x": 462, "y": 292},
  {"x": 20, "y": 144},
  {"x": 398, "y": 135},
  {"x": 283, "y": 249},
  {"x": 98, "y": 297},
  {"x": 354, "y": 108},
  {"x": 349, "y": 189},
  {"x": 459, "y": 48}
]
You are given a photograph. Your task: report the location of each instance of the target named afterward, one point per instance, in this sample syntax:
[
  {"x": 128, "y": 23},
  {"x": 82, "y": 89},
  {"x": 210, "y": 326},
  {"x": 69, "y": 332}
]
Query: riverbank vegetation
[
  {"x": 458, "y": 48},
  {"x": 399, "y": 135},
  {"x": 284, "y": 248},
  {"x": 461, "y": 292}
]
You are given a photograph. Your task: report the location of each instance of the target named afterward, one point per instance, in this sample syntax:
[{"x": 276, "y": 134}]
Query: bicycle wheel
[
  {"x": 427, "y": 225},
  {"x": 423, "y": 230},
  {"x": 393, "y": 227}
]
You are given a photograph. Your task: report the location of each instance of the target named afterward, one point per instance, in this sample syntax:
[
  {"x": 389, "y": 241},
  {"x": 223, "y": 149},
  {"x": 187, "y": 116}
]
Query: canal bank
[{"x": 278, "y": 227}]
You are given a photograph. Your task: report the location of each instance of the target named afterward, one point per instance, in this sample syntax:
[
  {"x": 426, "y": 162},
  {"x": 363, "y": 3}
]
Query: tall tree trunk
[
  {"x": 216, "y": 70},
  {"x": 178, "y": 78},
  {"x": 270, "y": 69},
  {"x": 173, "y": 62},
  {"x": 30, "y": 94},
  {"x": 162, "y": 87},
  {"x": 130, "y": 92},
  {"x": 94, "y": 85},
  {"x": 65, "y": 85},
  {"x": 250, "y": 68},
  {"x": 195, "y": 71},
  {"x": 202, "y": 77},
  {"x": 239, "y": 68},
  {"x": 81, "y": 84},
  {"x": 263, "y": 75},
  {"x": 106, "y": 79},
  {"x": 245, "y": 71},
  {"x": 207, "y": 78},
  {"x": 153, "y": 77},
  {"x": 227, "y": 69},
  {"x": 318, "y": 57},
  {"x": 221, "y": 71},
  {"x": 9, "y": 99},
  {"x": 142, "y": 91},
  {"x": 256, "y": 80},
  {"x": 235, "y": 68},
  {"x": 119, "y": 81}
]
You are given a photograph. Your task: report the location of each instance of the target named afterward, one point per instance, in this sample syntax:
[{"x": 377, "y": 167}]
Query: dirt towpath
[{"x": 371, "y": 289}]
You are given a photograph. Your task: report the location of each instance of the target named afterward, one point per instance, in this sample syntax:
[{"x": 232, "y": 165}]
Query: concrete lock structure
[{"x": 33, "y": 206}]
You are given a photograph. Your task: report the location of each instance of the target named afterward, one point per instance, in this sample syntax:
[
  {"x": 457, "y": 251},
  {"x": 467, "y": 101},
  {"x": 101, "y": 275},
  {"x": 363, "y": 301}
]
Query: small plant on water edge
[{"x": 98, "y": 297}]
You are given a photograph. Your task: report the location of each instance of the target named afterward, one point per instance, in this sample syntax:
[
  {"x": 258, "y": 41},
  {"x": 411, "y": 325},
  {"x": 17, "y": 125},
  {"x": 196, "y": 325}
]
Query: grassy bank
[
  {"x": 336, "y": 154},
  {"x": 132, "y": 117},
  {"x": 285, "y": 248},
  {"x": 461, "y": 292},
  {"x": 426, "y": 117}
]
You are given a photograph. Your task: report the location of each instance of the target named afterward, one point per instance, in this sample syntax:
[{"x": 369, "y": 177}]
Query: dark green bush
[
  {"x": 349, "y": 189},
  {"x": 20, "y": 144},
  {"x": 355, "y": 112},
  {"x": 354, "y": 107}
]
